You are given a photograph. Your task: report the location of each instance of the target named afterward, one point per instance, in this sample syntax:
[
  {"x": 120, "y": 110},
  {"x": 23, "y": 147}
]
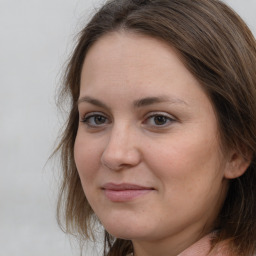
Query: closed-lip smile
[{"x": 124, "y": 191}]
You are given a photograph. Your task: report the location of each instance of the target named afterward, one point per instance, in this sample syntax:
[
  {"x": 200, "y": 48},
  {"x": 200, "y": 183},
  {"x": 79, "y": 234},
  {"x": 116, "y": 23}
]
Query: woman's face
[{"x": 147, "y": 147}]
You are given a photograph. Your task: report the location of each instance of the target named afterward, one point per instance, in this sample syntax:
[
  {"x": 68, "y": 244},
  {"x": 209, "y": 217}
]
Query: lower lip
[{"x": 125, "y": 195}]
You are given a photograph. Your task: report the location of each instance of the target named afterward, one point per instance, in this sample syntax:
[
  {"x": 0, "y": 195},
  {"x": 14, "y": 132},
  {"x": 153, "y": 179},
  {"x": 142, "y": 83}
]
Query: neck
[{"x": 171, "y": 246}]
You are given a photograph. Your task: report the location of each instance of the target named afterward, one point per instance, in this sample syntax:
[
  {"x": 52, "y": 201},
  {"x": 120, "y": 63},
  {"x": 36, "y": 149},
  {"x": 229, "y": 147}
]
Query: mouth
[{"x": 125, "y": 191}]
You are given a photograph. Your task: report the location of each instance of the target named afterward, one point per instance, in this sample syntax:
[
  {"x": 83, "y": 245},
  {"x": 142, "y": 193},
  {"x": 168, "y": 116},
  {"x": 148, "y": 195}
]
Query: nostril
[{"x": 108, "y": 166}]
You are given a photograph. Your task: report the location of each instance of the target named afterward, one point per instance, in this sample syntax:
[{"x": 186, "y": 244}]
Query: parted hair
[{"x": 217, "y": 47}]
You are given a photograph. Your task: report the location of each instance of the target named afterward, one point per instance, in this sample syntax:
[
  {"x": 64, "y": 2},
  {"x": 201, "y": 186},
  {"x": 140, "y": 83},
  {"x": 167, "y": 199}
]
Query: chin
[
  {"x": 126, "y": 222},
  {"x": 126, "y": 231}
]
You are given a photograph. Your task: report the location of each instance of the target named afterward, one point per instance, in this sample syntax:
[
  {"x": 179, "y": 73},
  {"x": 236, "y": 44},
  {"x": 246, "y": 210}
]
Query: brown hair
[{"x": 220, "y": 51}]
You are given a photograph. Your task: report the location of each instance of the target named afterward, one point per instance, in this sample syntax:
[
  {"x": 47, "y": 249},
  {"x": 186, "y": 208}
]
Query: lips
[{"x": 124, "y": 192}]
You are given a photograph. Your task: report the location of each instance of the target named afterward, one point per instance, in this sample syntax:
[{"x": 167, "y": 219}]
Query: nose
[{"x": 122, "y": 149}]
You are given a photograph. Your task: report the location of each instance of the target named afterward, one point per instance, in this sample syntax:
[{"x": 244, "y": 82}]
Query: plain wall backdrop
[{"x": 36, "y": 38}]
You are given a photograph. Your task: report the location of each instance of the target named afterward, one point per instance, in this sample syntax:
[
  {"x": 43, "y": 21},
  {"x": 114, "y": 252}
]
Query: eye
[
  {"x": 95, "y": 120},
  {"x": 159, "y": 120}
]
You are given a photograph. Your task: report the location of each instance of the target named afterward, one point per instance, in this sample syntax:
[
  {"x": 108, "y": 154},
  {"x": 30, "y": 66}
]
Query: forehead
[
  {"x": 124, "y": 67},
  {"x": 132, "y": 57}
]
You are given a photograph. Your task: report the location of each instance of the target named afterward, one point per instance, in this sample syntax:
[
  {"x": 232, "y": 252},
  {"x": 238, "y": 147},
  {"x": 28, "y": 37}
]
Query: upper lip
[{"x": 124, "y": 186}]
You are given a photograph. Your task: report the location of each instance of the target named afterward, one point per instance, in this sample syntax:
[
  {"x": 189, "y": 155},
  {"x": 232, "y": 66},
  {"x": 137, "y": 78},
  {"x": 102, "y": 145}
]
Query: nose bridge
[{"x": 122, "y": 147}]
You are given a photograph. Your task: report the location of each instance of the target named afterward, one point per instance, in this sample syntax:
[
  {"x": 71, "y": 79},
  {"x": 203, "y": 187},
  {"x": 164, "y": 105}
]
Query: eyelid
[
  {"x": 171, "y": 119},
  {"x": 160, "y": 113},
  {"x": 89, "y": 115},
  {"x": 93, "y": 113}
]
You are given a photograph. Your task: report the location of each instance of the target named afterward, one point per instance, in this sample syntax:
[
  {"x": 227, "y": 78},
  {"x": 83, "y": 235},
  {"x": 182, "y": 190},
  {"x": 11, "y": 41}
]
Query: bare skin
[{"x": 147, "y": 148}]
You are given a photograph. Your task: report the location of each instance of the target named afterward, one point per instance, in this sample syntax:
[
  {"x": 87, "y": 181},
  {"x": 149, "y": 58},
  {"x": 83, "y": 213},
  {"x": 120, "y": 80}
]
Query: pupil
[
  {"x": 160, "y": 120},
  {"x": 99, "y": 119}
]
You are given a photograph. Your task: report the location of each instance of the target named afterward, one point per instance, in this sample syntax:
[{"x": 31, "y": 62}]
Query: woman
[{"x": 160, "y": 142}]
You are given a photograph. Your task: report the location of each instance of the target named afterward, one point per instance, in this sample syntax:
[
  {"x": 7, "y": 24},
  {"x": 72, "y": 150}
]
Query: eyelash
[
  {"x": 168, "y": 119},
  {"x": 87, "y": 117}
]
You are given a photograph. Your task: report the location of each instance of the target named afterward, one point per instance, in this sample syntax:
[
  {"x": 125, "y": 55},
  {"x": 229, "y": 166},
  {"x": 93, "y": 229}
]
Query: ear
[{"x": 237, "y": 164}]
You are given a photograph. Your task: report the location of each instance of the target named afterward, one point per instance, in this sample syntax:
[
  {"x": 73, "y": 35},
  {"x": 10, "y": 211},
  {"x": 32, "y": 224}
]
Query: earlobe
[{"x": 237, "y": 164}]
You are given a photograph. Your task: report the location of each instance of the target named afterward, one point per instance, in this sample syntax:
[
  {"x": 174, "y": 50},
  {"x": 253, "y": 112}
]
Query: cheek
[
  {"x": 87, "y": 159},
  {"x": 189, "y": 175},
  {"x": 185, "y": 161}
]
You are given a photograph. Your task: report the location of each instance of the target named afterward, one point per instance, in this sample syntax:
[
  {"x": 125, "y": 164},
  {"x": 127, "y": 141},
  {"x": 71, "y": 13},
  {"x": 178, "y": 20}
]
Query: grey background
[{"x": 36, "y": 37}]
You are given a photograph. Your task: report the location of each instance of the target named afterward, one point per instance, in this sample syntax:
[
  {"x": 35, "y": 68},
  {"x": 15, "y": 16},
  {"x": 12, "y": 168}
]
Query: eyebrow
[
  {"x": 92, "y": 101},
  {"x": 160, "y": 99},
  {"x": 137, "y": 103}
]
